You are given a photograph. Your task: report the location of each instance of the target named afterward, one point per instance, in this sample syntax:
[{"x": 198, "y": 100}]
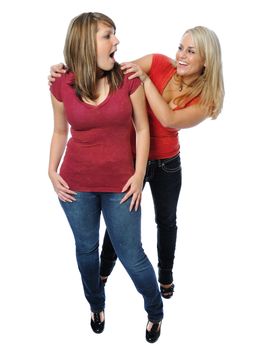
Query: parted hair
[
  {"x": 210, "y": 85},
  {"x": 81, "y": 57}
]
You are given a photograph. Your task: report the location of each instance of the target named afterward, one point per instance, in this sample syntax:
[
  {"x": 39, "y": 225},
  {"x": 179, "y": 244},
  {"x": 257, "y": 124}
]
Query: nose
[
  {"x": 182, "y": 53},
  {"x": 116, "y": 41}
]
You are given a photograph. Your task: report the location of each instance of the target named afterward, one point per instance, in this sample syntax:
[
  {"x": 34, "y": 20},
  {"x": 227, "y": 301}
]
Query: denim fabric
[
  {"x": 124, "y": 229},
  {"x": 164, "y": 178}
]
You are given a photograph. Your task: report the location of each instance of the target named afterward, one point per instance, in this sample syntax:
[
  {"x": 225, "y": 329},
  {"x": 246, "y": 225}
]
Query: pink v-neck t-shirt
[{"x": 98, "y": 155}]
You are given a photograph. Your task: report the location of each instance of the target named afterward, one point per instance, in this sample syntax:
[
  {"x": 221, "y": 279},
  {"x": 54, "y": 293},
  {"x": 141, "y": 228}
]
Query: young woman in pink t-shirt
[{"x": 97, "y": 173}]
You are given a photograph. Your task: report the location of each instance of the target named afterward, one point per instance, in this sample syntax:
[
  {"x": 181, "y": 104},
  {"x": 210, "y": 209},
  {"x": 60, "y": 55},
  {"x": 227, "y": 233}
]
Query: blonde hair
[
  {"x": 210, "y": 85},
  {"x": 81, "y": 58}
]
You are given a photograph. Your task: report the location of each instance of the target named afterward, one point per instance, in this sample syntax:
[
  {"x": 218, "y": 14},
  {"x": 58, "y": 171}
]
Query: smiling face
[
  {"x": 189, "y": 62},
  {"x": 106, "y": 46}
]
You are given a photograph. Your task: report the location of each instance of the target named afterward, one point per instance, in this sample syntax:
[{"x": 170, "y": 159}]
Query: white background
[{"x": 217, "y": 302}]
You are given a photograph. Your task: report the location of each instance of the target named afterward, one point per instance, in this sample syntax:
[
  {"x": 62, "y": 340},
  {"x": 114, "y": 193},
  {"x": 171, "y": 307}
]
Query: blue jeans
[
  {"x": 124, "y": 229},
  {"x": 164, "y": 178}
]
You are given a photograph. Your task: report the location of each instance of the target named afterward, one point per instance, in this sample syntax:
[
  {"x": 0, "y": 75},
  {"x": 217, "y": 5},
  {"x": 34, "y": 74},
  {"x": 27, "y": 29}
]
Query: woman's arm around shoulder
[{"x": 144, "y": 63}]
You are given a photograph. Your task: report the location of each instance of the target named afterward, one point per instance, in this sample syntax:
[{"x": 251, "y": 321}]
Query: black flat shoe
[
  {"x": 96, "y": 324},
  {"x": 154, "y": 333},
  {"x": 168, "y": 292}
]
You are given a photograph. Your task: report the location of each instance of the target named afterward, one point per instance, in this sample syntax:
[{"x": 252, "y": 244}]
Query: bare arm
[
  {"x": 182, "y": 118},
  {"x": 165, "y": 113},
  {"x": 134, "y": 185},
  {"x": 144, "y": 63},
  {"x": 57, "y": 148},
  {"x": 142, "y": 131}
]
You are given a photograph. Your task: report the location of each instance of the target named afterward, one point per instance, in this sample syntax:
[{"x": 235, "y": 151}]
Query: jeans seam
[{"x": 178, "y": 168}]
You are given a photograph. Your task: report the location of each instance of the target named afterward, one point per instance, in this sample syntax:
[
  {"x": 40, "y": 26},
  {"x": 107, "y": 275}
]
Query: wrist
[
  {"x": 144, "y": 77},
  {"x": 140, "y": 174},
  {"x": 51, "y": 173}
]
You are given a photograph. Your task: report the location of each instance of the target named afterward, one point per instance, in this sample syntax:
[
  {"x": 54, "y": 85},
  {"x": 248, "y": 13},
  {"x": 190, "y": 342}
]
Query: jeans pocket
[
  {"x": 172, "y": 165},
  {"x": 149, "y": 172}
]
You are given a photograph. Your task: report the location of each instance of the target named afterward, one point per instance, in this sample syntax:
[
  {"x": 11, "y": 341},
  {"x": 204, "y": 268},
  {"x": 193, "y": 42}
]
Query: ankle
[
  {"x": 103, "y": 279},
  {"x": 166, "y": 285},
  {"x": 151, "y": 324},
  {"x": 101, "y": 315}
]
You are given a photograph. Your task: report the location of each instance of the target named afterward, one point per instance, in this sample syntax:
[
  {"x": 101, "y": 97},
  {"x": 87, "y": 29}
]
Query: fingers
[
  {"x": 65, "y": 196},
  {"x": 133, "y": 188},
  {"x": 63, "y": 182},
  {"x": 63, "y": 191},
  {"x": 126, "y": 65},
  {"x": 50, "y": 80},
  {"x": 134, "y": 70},
  {"x": 126, "y": 196},
  {"x": 55, "y": 72},
  {"x": 57, "y": 69},
  {"x": 127, "y": 185},
  {"x": 135, "y": 201},
  {"x": 135, "y": 75},
  {"x": 129, "y": 68}
]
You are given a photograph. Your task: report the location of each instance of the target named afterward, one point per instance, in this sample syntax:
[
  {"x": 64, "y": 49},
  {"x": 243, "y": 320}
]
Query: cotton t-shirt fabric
[
  {"x": 164, "y": 142},
  {"x": 98, "y": 155}
]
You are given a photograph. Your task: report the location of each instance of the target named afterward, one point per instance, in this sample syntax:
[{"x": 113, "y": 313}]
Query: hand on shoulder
[{"x": 55, "y": 72}]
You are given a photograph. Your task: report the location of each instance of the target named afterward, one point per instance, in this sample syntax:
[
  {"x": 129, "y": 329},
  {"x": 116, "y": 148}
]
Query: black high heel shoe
[
  {"x": 154, "y": 333},
  {"x": 167, "y": 292},
  {"x": 96, "y": 324},
  {"x": 103, "y": 279}
]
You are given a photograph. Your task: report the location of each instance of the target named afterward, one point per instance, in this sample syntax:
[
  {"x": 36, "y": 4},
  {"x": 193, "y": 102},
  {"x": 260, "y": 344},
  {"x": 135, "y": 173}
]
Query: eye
[
  {"x": 179, "y": 48},
  {"x": 191, "y": 51}
]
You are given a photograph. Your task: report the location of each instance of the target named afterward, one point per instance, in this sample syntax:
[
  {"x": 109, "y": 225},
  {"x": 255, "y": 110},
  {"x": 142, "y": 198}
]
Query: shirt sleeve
[
  {"x": 157, "y": 62},
  {"x": 133, "y": 84},
  {"x": 56, "y": 89},
  {"x": 160, "y": 63}
]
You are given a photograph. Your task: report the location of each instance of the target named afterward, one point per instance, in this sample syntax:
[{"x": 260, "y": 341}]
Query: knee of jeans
[
  {"x": 135, "y": 262},
  {"x": 85, "y": 248},
  {"x": 167, "y": 223}
]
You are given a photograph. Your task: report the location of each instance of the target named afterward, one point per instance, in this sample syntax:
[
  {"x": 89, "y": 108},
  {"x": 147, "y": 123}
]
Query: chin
[
  {"x": 108, "y": 68},
  {"x": 181, "y": 71}
]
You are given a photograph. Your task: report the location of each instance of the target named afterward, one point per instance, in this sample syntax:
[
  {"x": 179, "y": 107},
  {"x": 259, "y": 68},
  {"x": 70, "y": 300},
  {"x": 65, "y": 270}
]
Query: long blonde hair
[
  {"x": 210, "y": 85},
  {"x": 81, "y": 58}
]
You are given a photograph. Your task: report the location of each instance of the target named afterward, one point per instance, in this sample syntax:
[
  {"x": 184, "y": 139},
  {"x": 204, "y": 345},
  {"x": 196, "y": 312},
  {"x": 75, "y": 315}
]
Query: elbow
[
  {"x": 60, "y": 131},
  {"x": 167, "y": 120},
  {"x": 167, "y": 123}
]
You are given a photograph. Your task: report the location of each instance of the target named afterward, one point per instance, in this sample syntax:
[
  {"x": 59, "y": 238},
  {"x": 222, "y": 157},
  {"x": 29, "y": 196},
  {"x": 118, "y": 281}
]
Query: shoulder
[
  {"x": 162, "y": 69},
  {"x": 158, "y": 58},
  {"x": 160, "y": 63},
  {"x": 131, "y": 84},
  {"x": 60, "y": 83}
]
